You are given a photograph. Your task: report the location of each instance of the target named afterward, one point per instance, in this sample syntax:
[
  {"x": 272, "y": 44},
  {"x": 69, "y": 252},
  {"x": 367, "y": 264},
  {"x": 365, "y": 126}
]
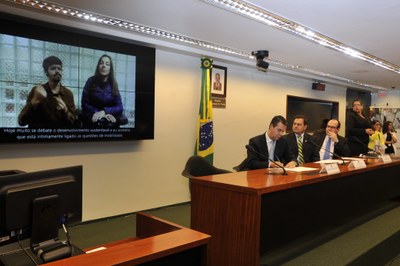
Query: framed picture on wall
[{"x": 218, "y": 81}]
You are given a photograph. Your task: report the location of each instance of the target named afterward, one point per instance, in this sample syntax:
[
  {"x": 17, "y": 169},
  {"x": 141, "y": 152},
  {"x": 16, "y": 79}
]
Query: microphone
[
  {"x": 322, "y": 148},
  {"x": 365, "y": 146},
  {"x": 248, "y": 147}
]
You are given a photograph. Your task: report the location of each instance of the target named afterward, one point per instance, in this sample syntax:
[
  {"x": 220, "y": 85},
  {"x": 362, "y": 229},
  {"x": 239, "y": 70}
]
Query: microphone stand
[
  {"x": 322, "y": 148},
  {"x": 377, "y": 153},
  {"x": 249, "y": 148}
]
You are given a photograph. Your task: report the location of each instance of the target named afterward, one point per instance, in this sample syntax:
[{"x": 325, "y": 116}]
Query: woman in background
[
  {"x": 358, "y": 129},
  {"x": 389, "y": 135},
  {"x": 376, "y": 140},
  {"x": 101, "y": 100}
]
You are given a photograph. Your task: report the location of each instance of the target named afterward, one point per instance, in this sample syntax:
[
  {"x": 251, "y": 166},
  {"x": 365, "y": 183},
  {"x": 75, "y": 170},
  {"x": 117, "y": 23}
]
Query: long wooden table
[
  {"x": 249, "y": 213},
  {"x": 157, "y": 242}
]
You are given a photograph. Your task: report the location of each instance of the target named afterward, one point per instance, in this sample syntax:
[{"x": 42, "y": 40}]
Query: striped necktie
[{"x": 300, "y": 158}]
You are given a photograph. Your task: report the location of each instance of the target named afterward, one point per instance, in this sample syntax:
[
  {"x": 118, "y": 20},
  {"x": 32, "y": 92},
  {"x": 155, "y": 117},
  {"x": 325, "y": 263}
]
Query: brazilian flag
[{"x": 205, "y": 135}]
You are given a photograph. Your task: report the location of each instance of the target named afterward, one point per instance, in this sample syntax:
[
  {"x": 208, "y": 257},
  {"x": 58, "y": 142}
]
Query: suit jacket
[
  {"x": 341, "y": 148},
  {"x": 355, "y": 133},
  {"x": 259, "y": 159},
  {"x": 310, "y": 151}
]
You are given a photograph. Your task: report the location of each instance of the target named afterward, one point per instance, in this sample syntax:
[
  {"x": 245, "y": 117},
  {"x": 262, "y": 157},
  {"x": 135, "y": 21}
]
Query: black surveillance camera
[
  {"x": 260, "y": 55},
  {"x": 262, "y": 65}
]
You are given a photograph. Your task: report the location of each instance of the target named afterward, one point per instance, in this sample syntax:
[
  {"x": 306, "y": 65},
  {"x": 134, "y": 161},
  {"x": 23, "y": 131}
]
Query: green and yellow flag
[{"x": 205, "y": 135}]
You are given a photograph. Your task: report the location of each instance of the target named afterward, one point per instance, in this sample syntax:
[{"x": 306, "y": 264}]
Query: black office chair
[
  {"x": 198, "y": 166},
  {"x": 242, "y": 166}
]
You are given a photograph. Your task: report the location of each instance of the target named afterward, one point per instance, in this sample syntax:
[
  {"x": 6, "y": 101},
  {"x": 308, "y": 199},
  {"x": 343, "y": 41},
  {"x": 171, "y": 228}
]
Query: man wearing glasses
[{"x": 332, "y": 145}]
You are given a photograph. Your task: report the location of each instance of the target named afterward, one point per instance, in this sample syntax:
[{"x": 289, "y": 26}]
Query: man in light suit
[
  {"x": 308, "y": 150},
  {"x": 332, "y": 145},
  {"x": 270, "y": 145}
]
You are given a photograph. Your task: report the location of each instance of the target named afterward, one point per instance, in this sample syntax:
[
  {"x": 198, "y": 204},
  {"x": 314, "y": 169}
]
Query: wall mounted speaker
[{"x": 318, "y": 86}]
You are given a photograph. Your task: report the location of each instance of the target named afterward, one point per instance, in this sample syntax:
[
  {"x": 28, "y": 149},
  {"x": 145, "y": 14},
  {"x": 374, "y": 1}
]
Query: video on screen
[{"x": 67, "y": 91}]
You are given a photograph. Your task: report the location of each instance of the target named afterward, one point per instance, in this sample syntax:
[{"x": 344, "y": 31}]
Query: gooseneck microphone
[
  {"x": 322, "y": 148},
  {"x": 365, "y": 146},
  {"x": 249, "y": 148}
]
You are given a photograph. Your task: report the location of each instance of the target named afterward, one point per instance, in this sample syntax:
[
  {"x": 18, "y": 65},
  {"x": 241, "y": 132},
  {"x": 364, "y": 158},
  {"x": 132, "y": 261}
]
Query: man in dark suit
[
  {"x": 270, "y": 145},
  {"x": 331, "y": 143},
  {"x": 301, "y": 142}
]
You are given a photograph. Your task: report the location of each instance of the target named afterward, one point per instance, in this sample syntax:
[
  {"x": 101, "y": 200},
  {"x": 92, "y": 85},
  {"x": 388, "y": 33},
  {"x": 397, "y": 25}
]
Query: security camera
[
  {"x": 260, "y": 55},
  {"x": 262, "y": 65}
]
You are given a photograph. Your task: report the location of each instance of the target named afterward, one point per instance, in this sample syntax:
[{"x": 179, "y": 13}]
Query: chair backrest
[
  {"x": 242, "y": 166},
  {"x": 198, "y": 166}
]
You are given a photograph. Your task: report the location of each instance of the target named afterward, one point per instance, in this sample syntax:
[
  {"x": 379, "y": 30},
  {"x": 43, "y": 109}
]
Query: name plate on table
[
  {"x": 357, "y": 164},
  {"x": 330, "y": 168},
  {"x": 386, "y": 158}
]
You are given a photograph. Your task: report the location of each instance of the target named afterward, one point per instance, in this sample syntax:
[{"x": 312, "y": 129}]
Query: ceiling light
[
  {"x": 256, "y": 13},
  {"x": 270, "y": 19}
]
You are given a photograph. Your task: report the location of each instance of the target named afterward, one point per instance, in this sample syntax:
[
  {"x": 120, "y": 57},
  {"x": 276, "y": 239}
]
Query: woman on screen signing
[{"x": 101, "y": 100}]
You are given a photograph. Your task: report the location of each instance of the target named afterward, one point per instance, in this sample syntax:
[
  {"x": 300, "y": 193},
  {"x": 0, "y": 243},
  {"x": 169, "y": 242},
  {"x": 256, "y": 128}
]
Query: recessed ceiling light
[{"x": 234, "y": 6}]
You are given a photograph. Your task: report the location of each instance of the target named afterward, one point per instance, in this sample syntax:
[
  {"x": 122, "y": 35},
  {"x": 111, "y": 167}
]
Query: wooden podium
[
  {"x": 249, "y": 213},
  {"x": 158, "y": 242}
]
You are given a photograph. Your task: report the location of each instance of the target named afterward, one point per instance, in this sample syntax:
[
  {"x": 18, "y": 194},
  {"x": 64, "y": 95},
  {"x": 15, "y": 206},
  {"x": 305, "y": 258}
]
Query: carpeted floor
[{"x": 372, "y": 239}]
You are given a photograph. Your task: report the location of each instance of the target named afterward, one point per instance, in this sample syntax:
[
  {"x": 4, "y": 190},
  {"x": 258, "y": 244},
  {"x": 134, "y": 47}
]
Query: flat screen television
[
  {"x": 317, "y": 111},
  {"x": 35, "y": 205},
  {"x": 25, "y": 44}
]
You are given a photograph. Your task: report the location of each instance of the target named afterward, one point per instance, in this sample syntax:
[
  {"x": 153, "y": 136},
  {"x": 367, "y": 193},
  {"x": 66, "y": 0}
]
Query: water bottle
[{"x": 376, "y": 148}]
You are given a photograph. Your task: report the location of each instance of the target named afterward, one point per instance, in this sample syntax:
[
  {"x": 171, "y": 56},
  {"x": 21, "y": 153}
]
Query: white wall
[
  {"x": 124, "y": 177},
  {"x": 253, "y": 98},
  {"x": 388, "y": 99}
]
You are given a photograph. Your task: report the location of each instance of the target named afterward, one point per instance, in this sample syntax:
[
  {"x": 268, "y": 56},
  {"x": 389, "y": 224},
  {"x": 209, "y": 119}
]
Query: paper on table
[
  {"x": 332, "y": 161},
  {"x": 354, "y": 158},
  {"x": 301, "y": 169}
]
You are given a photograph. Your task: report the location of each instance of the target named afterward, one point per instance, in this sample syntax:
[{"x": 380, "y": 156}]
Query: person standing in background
[
  {"x": 376, "y": 140},
  {"x": 358, "y": 129},
  {"x": 389, "y": 135}
]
